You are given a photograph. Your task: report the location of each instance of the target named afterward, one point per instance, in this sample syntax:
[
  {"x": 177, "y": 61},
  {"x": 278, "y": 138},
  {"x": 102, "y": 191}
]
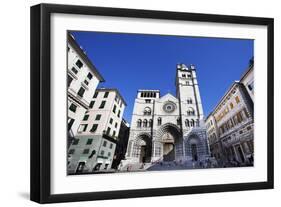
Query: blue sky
[{"x": 130, "y": 62}]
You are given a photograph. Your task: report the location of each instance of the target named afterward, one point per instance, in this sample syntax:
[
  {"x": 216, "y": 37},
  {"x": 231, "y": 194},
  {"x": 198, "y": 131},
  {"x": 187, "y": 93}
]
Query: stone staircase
[
  {"x": 161, "y": 165},
  {"x": 134, "y": 166},
  {"x": 170, "y": 165}
]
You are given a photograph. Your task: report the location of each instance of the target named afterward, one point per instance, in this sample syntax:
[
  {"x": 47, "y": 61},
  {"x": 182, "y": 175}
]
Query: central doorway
[
  {"x": 169, "y": 152},
  {"x": 171, "y": 141}
]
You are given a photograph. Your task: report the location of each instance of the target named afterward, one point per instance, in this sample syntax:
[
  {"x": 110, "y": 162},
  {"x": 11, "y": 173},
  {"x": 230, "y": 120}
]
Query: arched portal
[
  {"x": 172, "y": 141},
  {"x": 194, "y": 147},
  {"x": 143, "y": 148}
]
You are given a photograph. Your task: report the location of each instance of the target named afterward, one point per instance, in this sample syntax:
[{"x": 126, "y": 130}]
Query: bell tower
[{"x": 187, "y": 90}]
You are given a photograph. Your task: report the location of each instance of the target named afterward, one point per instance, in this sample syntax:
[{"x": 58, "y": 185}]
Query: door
[
  {"x": 194, "y": 152},
  {"x": 80, "y": 167},
  {"x": 241, "y": 155},
  {"x": 169, "y": 152}
]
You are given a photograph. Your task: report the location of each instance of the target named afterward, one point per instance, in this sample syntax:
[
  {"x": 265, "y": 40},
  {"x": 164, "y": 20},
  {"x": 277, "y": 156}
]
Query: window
[
  {"x": 239, "y": 117},
  {"x": 249, "y": 128},
  {"x": 89, "y": 141},
  {"x": 246, "y": 113},
  {"x": 145, "y": 123},
  {"x": 71, "y": 151},
  {"x": 116, "y": 98},
  {"x": 73, "y": 107},
  {"x": 111, "y": 121},
  {"x": 75, "y": 141},
  {"x": 89, "y": 76},
  {"x": 82, "y": 127},
  {"x": 147, "y": 111},
  {"x": 94, "y": 128},
  {"x": 159, "y": 121},
  {"x": 114, "y": 109},
  {"x": 96, "y": 94},
  {"x": 147, "y": 100},
  {"x": 86, "y": 117},
  {"x": 92, "y": 104},
  {"x": 111, "y": 145},
  {"x": 81, "y": 92},
  {"x": 98, "y": 116},
  {"x": 192, "y": 123},
  {"x": 74, "y": 70},
  {"x": 237, "y": 99},
  {"x": 189, "y": 75},
  {"x": 102, "y": 105},
  {"x": 108, "y": 154},
  {"x": 116, "y": 125},
  {"x": 183, "y": 75},
  {"x": 190, "y": 112},
  {"x": 106, "y": 94},
  {"x": 86, "y": 151},
  {"x": 102, "y": 152},
  {"x": 108, "y": 130},
  {"x": 231, "y": 105},
  {"x": 121, "y": 104},
  {"x": 104, "y": 143},
  {"x": 150, "y": 123},
  {"x": 79, "y": 64},
  {"x": 119, "y": 113},
  {"x": 113, "y": 134},
  {"x": 187, "y": 123},
  {"x": 139, "y": 123},
  {"x": 86, "y": 82},
  {"x": 189, "y": 101},
  {"x": 69, "y": 80},
  {"x": 251, "y": 86},
  {"x": 70, "y": 123}
]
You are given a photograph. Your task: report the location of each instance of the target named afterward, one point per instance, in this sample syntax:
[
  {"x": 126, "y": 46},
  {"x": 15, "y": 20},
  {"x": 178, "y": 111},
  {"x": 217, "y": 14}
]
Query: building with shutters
[
  {"x": 82, "y": 81},
  {"x": 94, "y": 146},
  {"x": 230, "y": 126}
]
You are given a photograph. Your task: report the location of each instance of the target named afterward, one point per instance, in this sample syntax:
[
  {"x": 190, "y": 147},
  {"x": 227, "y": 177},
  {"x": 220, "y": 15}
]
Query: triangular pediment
[{"x": 168, "y": 97}]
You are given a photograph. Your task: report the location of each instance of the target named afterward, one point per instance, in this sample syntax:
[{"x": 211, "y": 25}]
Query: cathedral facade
[{"x": 169, "y": 128}]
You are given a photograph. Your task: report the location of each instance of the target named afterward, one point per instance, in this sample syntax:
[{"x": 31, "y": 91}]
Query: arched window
[
  {"x": 150, "y": 123},
  {"x": 192, "y": 122},
  {"x": 187, "y": 122},
  {"x": 139, "y": 123},
  {"x": 197, "y": 122},
  {"x": 145, "y": 123},
  {"x": 190, "y": 111},
  {"x": 147, "y": 111},
  {"x": 159, "y": 121}
]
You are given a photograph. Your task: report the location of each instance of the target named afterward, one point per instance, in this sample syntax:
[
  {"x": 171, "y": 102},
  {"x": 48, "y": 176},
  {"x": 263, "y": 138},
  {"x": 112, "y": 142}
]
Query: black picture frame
[{"x": 41, "y": 98}]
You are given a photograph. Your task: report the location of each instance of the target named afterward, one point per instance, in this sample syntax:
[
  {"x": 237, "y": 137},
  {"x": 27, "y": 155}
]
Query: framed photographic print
[{"x": 132, "y": 103}]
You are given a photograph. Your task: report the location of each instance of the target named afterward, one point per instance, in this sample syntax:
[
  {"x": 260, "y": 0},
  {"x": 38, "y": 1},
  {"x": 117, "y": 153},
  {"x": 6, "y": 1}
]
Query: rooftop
[
  {"x": 115, "y": 90},
  {"x": 84, "y": 57}
]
